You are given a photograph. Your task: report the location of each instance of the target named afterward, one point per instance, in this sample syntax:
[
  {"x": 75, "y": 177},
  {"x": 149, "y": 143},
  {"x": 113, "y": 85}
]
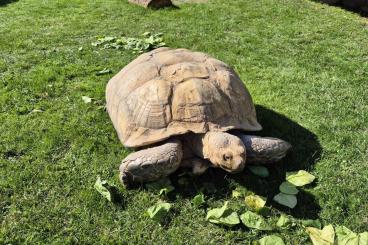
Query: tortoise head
[{"x": 225, "y": 151}]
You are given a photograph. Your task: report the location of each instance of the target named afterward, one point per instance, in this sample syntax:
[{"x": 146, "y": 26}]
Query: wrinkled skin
[
  {"x": 223, "y": 150},
  {"x": 213, "y": 149}
]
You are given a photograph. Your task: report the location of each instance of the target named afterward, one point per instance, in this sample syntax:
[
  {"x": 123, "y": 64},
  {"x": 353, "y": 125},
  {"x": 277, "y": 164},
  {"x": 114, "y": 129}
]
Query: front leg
[
  {"x": 198, "y": 165},
  {"x": 152, "y": 163}
]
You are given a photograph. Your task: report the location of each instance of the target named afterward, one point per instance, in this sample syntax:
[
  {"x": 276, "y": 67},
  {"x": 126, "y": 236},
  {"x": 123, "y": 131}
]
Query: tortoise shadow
[
  {"x": 306, "y": 147},
  {"x": 358, "y": 7},
  {"x": 305, "y": 153},
  {"x": 3, "y": 3}
]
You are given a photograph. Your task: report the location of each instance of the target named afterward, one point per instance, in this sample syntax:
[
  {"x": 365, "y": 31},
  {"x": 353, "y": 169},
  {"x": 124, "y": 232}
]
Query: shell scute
[{"x": 169, "y": 92}]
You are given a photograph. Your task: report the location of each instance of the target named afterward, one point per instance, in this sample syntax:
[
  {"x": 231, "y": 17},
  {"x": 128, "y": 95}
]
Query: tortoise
[{"x": 180, "y": 108}]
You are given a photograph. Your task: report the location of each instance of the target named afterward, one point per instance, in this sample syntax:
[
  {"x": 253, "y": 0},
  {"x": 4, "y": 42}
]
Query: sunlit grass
[{"x": 306, "y": 65}]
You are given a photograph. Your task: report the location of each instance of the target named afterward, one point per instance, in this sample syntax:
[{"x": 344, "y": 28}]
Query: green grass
[{"x": 306, "y": 65}]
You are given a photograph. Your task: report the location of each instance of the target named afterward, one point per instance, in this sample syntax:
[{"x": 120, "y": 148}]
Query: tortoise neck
[{"x": 196, "y": 143}]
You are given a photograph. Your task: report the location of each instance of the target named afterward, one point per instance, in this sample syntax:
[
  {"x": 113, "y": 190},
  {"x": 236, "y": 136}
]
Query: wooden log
[{"x": 152, "y": 3}]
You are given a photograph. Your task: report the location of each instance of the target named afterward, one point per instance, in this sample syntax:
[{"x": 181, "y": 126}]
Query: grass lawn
[{"x": 306, "y": 65}]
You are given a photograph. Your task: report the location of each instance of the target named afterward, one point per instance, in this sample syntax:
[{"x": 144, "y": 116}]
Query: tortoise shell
[{"x": 169, "y": 92}]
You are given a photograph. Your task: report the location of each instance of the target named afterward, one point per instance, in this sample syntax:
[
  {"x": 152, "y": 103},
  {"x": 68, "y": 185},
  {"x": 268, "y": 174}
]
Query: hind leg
[
  {"x": 264, "y": 150},
  {"x": 152, "y": 163}
]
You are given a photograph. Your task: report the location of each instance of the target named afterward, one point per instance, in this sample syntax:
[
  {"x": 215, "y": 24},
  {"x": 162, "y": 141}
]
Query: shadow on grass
[
  {"x": 218, "y": 184},
  {"x": 117, "y": 197},
  {"x": 3, "y": 3},
  {"x": 169, "y": 8},
  {"x": 358, "y": 6}
]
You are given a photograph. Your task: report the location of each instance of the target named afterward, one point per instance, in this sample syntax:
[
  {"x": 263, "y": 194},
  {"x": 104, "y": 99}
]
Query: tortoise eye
[{"x": 227, "y": 157}]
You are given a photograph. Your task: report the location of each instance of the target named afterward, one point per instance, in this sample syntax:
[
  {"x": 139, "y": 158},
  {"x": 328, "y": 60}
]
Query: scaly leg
[
  {"x": 264, "y": 150},
  {"x": 152, "y": 163}
]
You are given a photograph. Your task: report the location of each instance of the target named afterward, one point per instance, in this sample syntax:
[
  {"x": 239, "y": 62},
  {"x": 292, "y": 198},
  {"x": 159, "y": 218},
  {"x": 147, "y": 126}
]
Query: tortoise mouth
[{"x": 239, "y": 169}]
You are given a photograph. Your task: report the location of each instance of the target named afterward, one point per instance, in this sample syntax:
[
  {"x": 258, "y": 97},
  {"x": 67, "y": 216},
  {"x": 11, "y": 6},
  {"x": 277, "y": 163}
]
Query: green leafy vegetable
[
  {"x": 198, "y": 200},
  {"x": 36, "y": 111},
  {"x": 146, "y": 34},
  {"x": 286, "y": 200},
  {"x": 271, "y": 240},
  {"x": 259, "y": 171},
  {"x": 288, "y": 188},
  {"x": 104, "y": 188},
  {"x": 223, "y": 216},
  {"x": 236, "y": 194},
  {"x": 86, "y": 99},
  {"x": 284, "y": 222},
  {"x": 139, "y": 45},
  {"x": 158, "y": 211},
  {"x": 229, "y": 219},
  {"x": 166, "y": 190},
  {"x": 162, "y": 186},
  {"x": 326, "y": 236},
  {"x": 103, "y": 40},
  {"x": 256, "y": 221},
  {"x": 347, "y": 237},
  {"x": 299, "y": 178},
  {"x": 255, "y": 202},
  {"x": 216, "y": 213},
  {"x": 103, "y": 71},
  {"x": 312, "y": 222},
  {"x": 363, "y": 238}
]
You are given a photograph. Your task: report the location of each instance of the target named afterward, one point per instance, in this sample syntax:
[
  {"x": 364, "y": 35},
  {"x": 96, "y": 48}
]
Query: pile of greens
[
  {"x": 147, "y": 42},
  {"x": 255, "y": 215}
]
